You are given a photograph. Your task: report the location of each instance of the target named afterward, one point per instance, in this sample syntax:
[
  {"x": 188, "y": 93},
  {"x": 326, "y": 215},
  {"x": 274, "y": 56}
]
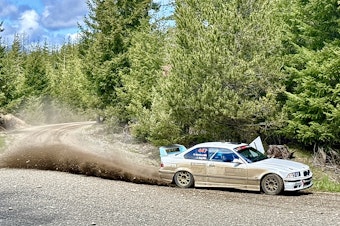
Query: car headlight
[{"x": 295, "y": 174}]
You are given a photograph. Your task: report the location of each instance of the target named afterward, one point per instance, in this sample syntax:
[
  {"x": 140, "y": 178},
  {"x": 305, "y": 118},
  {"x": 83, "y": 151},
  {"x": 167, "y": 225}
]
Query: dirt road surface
[{"x": 115, "y": 183}]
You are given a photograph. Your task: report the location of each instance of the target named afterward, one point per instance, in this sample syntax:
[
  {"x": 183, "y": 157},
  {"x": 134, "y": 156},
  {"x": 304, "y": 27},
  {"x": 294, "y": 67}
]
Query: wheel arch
[
  {"x": 184, "y": 169},
  {"x": 267, "y": 172}
]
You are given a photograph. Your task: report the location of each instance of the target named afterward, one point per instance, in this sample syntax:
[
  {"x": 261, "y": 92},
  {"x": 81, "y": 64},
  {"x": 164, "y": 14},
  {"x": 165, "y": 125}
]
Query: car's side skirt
[{"x": 200, "y": 181}]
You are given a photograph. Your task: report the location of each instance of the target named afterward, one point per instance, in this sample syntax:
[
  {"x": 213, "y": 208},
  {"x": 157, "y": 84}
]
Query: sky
[
  {"x": 51, "y": 21},
  {"x": 39, "y": 21}
]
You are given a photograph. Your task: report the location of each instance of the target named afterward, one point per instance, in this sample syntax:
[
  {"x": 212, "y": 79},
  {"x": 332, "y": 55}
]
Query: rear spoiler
[{"x": 171, "y": 149}]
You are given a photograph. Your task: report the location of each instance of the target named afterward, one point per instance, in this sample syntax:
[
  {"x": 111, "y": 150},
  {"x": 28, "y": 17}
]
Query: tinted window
[
  {"x": 224, "y": 155},
  {"x": 198, "y": 154},
  {"x": 212, "y": 151}
]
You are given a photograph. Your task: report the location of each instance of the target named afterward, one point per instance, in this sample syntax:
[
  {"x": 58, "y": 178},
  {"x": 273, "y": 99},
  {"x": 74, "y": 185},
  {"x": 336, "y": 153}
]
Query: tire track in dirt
[{"x": 56, "y": 147}]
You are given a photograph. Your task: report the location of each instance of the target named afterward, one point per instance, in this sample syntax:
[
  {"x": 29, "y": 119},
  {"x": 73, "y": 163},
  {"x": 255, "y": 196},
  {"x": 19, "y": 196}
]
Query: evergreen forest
[{"x": 210, "y": 70}]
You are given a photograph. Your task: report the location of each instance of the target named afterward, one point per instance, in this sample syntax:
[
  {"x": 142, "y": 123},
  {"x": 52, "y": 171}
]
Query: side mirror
[{"x": 239, "y": 161}]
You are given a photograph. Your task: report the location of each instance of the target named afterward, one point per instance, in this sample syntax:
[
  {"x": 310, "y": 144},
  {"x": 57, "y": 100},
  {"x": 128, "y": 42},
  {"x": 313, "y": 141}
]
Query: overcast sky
[{"x": 41, "y": 20}]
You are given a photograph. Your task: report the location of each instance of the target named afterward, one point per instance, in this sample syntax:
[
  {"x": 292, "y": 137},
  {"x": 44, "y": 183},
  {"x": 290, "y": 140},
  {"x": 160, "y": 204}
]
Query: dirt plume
[
  {"x": 56, "y": 147},
  {"x": 65, "y": 158}
]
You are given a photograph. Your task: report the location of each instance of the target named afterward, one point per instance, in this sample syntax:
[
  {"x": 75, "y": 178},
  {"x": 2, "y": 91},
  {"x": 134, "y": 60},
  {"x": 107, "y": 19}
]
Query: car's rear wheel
[
  {"x": 272, "y": 184},
  {"x": 184, "y": 179}
]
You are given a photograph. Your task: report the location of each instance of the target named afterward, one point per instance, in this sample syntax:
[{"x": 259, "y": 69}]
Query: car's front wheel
[
  {"x": 272, "y": 184},
  {"x": 184, "y": 179}
]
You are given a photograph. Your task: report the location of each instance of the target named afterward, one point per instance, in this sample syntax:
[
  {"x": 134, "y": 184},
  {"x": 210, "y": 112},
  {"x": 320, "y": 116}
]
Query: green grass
[
  {"x": 324, "y": 180},
  {"x": 325, "y": 184}
]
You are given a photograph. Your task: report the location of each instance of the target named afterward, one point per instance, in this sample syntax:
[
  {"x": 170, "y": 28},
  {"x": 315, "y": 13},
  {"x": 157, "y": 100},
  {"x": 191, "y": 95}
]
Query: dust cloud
[{"x": 71, "y": 159}]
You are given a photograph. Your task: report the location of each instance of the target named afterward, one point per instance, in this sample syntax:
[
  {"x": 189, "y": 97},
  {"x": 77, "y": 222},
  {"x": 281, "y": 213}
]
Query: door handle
[{"x": 211, "y": 165}]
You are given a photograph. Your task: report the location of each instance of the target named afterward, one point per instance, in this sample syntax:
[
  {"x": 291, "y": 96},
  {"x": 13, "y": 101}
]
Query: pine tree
[
  {"x": 313, "y": 105},
  {"x": 11, "y": 76},
  {"x": 68, "y": 83},
  {"x": 2, "y": 80},
  {"x": 146, "y": 56},
  {"x": 225, "y": 69},
  {"x": 106, "y": 40},
  {"x": 312, "y": 69},
  {"x": 36, "y": 80}
]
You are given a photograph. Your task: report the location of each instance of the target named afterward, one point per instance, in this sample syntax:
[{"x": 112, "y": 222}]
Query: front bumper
[{"x": 296, "y": 185}]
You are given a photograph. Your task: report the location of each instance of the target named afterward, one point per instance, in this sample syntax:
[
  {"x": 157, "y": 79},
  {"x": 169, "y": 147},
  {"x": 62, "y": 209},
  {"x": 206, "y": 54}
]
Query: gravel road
[
  {"x": 45, "y": 197},
  {"x": 32, "y": 197}
]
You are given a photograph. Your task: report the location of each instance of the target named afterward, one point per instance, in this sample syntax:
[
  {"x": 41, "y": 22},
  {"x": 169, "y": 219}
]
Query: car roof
[{"x": 230, "y": 145}]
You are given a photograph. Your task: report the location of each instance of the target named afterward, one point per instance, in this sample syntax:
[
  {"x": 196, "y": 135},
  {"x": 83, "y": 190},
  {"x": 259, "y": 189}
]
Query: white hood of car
[{"x": 281, "y": 165}]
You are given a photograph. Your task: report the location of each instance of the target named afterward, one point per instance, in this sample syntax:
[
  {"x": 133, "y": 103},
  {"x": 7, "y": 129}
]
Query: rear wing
[{"x": 171, "y": 150}]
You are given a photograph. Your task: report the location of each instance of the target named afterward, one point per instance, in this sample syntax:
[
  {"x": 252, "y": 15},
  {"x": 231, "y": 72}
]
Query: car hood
[{"x": 281, "y": 165}]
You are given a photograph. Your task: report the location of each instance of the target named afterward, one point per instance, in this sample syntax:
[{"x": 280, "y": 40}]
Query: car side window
[
  {"x": 224, "y": 155},
  {"x": 198, "y": 154},
  {"x": 217, "y": 157},
  {"x": 212, "y": 151}
]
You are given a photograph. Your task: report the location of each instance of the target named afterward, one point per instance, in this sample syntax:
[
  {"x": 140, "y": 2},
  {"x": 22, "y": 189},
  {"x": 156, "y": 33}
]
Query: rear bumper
[
  {"x": 166, "y": 176},
  {"x": 297, "y": 185}
]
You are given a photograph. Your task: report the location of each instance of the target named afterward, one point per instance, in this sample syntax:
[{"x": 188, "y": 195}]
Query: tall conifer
[
  {"x": 312, "y": 69},
  {"x": 106, "y": 40},
  {"x": 225, "y": 69}
]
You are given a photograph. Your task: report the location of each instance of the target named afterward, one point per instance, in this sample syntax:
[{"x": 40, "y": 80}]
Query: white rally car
[{"x": 231, "y": 165}]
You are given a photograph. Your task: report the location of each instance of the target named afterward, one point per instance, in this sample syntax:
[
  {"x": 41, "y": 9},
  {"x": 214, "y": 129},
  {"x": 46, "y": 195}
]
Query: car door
[
  {"x": 223, "y": 172},
  {"x": 196, "y": 161}
]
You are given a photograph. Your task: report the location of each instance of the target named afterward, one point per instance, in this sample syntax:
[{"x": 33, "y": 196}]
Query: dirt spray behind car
[{"x": 70, "y": 159}]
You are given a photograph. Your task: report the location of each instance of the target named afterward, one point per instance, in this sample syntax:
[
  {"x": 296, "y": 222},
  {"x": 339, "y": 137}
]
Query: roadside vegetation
[
  {"x": 324, "y": 182},
  {"x": 326, "y": 177},
  {"x": 209, "y": 70}
]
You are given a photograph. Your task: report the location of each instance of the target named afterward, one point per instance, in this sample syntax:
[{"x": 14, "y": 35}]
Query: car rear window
[{"x": 198, "y": 154}]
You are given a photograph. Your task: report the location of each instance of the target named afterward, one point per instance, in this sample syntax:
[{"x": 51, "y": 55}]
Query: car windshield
[{"x": 250, "y": 154}]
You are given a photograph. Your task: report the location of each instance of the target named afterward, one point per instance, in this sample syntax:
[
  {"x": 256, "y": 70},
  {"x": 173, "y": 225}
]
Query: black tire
[
  {"x": 184, "y": 179},
  {"x": 272, "y": 184}
]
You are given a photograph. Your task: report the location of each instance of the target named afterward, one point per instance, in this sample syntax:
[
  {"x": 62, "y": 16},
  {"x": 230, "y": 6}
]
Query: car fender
[
  {"x": 277, "y": 172},
  {"x": 258, "y": 173}
]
